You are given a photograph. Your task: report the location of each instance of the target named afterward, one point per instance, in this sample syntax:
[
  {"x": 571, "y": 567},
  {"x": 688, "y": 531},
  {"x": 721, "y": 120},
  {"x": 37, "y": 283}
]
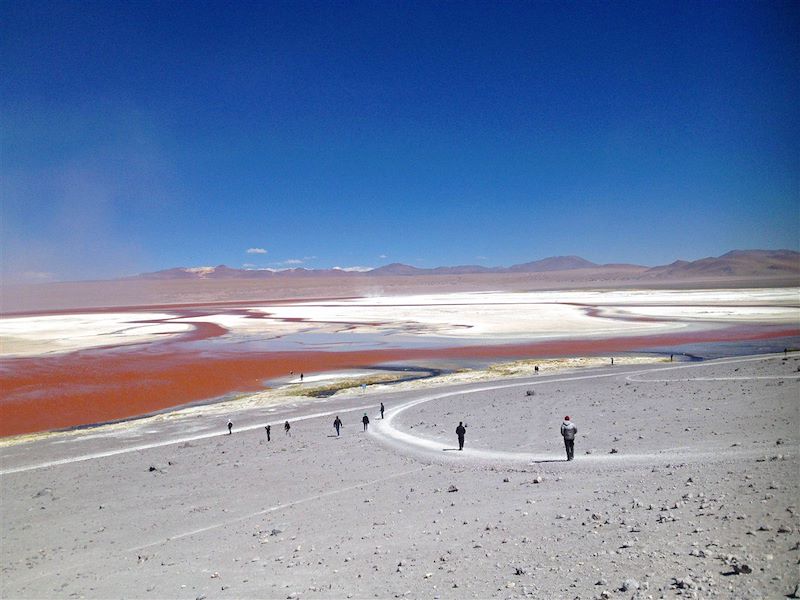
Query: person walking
[
  {"x": 230, "y": 427},
  {"x": 286, "y": 428},
  {"x": 365, "y": 421},
  {"x": 382, "y": 409},
  {"x": 461, "y": 431},
  {"x": 269, "y": 429},
  {"x": 337, "y": 423},
  {"x": 568, "y": 431}
]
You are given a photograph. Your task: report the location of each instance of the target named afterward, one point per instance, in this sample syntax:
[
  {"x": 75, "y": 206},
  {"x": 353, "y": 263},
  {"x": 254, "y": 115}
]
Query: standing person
[
  {"x": 268, "y": 428},
  {"x": 301, "y": 378},
  {"x": 612, "y": 361},
  {"x": 382, "y": 409},
  {"x": 461, "y": 431},
  {"x": 337, "y": 423},
  {"x": 568, "y": 431},
  {"x": 287, "y": 427},
  {"x": 365, "y": 421},
  {"x": 230, "y": 427}
]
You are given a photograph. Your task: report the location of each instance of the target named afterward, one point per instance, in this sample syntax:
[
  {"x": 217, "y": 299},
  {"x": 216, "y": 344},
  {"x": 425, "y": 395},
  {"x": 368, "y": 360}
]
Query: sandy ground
[{"x": 698, "y": 499}]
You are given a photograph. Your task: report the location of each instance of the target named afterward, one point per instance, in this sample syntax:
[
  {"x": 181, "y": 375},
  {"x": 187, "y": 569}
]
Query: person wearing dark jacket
[
  {"x": 461, "y": 431},
  {"x": 568, "y": 431},
  {"x": 337, "y": 423},
  {"x": 365, "y": 421}
]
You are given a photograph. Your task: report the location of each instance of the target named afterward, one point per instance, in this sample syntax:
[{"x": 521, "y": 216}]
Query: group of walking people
[
  {"x": 568, "y": 431},
  {"x": 337, "y": 422}
]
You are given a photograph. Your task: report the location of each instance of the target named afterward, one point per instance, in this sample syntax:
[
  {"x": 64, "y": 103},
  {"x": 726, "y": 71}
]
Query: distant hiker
[
  {"x": 365, "y": 421},
  {"x": 612, "y": 361},
  {"x": 337, "y": 423},
  {"x": 536, "y": 369},
  {"x": 786, "y": 352},
  {"x": 461, "y": 431},
  {"x": 670, "y": 358},
  {"x": 287, "y": 427},
  {"x": 268, "y": 429},
  {"x": 301, "y": 378},
  {"x": 230, "y": 427},
  {"x": 382, "y": 409},
  {"x": 568, "y": 431}
]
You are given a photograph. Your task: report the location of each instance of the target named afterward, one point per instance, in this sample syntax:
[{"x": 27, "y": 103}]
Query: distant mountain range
[{"x": 738, "y": 263}]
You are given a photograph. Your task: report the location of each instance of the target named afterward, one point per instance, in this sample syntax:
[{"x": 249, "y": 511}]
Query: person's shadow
[
  {"x": 449, "y": 449},
  {"x": 549, "y": 460}
]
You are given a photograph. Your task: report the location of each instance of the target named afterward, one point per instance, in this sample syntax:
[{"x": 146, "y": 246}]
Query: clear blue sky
[{"x": 138, "y": 136}]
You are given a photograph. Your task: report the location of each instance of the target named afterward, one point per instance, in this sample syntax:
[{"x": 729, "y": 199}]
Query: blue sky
[{"x": 138, "y": 136}]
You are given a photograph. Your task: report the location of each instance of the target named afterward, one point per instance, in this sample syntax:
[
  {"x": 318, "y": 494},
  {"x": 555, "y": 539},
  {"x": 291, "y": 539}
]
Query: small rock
[
  {"x": 629, "y": 585},
  {"x": 452, "y": 488}
]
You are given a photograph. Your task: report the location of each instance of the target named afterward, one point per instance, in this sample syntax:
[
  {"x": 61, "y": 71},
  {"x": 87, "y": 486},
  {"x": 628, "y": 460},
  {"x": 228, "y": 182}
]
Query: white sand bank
[{"x": 488, "y": 317}]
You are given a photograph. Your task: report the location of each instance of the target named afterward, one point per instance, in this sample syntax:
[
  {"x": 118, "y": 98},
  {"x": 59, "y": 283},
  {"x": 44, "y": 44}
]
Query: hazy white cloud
[
  {"x": 381, "y": 256},
  {"x": 256, "y": 251},
  {"x": 356, "y": 269},
  {"x": 292, "y": 261},
  {"x": 37, "y": 276},
  {"x": 482, "y": 258}
]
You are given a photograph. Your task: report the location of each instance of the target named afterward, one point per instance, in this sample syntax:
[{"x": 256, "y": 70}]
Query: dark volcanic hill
[{"x": 737, "y": 263}]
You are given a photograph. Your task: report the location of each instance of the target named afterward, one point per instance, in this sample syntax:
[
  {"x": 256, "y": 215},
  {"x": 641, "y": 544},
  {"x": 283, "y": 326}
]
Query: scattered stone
[
  {"x": 614, "y": 451},
  {"x": 452, "y": 488},
  {"x": 629, "y": 585}
]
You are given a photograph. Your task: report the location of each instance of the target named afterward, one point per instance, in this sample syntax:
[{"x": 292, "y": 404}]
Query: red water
[{"x": 92, "y": 386}]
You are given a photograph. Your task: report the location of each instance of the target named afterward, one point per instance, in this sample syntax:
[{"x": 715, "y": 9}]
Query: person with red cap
[{"x": 568, "y": 431}]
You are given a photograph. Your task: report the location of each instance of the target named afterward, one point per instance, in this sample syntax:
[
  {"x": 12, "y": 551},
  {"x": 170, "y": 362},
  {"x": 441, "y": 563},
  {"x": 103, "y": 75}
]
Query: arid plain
[{"x": 684, "y": 484}]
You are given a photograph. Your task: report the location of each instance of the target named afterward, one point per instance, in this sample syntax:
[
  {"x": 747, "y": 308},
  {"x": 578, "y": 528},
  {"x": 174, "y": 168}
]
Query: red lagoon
[{"x": 93, "y": 386}]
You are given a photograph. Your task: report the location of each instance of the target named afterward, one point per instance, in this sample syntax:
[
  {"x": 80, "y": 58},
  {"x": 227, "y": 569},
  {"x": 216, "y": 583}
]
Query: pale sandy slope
[{"x": 705, "y": 477}]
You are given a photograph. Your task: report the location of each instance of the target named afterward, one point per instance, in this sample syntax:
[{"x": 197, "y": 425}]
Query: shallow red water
[{"x": 92, "y": 386}]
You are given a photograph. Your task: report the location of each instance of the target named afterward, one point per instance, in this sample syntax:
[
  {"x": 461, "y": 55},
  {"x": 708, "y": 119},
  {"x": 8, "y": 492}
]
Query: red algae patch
[{"x": 80, "y": 388}]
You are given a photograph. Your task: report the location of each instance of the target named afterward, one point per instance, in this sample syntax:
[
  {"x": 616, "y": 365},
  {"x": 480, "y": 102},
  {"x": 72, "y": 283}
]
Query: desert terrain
[{"x": 684, "y": 485}]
